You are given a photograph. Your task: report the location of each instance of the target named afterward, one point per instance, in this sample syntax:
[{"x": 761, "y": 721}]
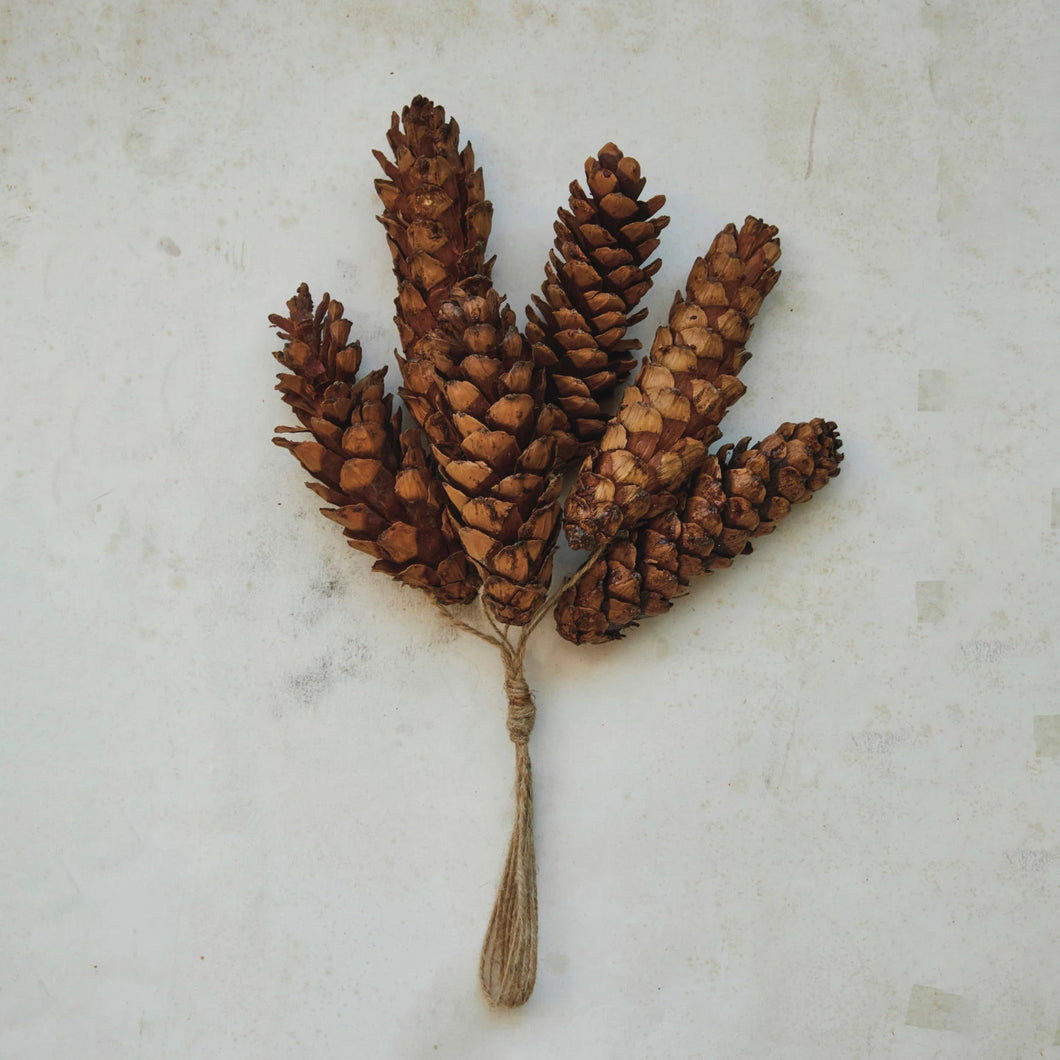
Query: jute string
[{"x": 508, "y": 967}]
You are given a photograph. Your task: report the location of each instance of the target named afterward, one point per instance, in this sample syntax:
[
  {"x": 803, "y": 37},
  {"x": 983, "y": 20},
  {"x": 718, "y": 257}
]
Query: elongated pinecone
[
  {"x": 670, "y": 416},
  {"x": 388, "y": 500},
  {"x": 739, "y": 494},
  {"x": 479, "y": 395},
  {"x": 435, "y": 212},
  {"x": 595, "y": 277}
]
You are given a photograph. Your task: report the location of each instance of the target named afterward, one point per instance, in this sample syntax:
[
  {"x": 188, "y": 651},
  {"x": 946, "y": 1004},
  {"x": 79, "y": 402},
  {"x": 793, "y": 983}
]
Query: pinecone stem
[{"x": 569, "y": 584}]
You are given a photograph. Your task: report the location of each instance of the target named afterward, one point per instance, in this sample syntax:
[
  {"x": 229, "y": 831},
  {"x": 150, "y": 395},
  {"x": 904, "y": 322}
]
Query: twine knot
[{"x": 521, "y": 709}]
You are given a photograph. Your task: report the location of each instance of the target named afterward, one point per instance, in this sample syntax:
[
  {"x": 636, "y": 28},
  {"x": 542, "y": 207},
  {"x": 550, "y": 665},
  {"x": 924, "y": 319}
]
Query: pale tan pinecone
[
  {"x": 739, "y": 494},
  {"x": 596, "y": 275},
  {"x": 387, "y": 499},
  {"x": 670, "y": 416}
]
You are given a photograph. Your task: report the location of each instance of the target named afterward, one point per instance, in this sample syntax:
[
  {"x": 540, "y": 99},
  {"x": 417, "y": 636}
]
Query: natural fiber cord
[
  {"x": 508, "y": 967},
  {"x": 509, "y": 955}
]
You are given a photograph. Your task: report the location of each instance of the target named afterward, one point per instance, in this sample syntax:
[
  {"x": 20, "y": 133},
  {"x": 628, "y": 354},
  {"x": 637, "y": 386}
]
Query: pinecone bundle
[
  {"x": 468, "y": 502},
  {"x": 669, "y": 417},
  {"x": 738, "y": 494},
  {"x": 594, "y": 279}
]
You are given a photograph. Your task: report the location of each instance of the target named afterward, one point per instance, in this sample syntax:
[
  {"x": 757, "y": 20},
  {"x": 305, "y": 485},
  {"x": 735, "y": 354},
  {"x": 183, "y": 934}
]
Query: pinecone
[
  {"x": 669, "y": 417},
  {"x": 596, "y": 276},
  {"x": 389, "y": 502},
  {"x": 739, "y": 494},
  {"x": 480, "y": 397},
  {"x": 435, "y": 212}
]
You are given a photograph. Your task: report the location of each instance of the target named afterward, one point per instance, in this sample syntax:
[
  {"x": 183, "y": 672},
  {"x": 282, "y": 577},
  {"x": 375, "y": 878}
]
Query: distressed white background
[{"x": 255, "y": 799}]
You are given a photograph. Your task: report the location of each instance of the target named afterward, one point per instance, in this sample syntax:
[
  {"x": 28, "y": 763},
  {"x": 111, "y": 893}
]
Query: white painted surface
[{"x": 256, "y": 799}]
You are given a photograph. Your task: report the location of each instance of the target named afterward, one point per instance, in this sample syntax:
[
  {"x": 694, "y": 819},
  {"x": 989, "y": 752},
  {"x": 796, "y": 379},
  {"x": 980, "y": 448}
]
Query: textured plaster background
[{"x": 255, "y": 799}]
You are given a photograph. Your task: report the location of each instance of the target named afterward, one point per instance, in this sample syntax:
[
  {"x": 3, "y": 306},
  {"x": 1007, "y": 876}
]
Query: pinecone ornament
[
  {"x": 595, "y": 277},
  {"x": 669, "y": 417},
  {"x": 388, "y": 501},
  {"x": 468, "y": 503},
  {"x": 738, "y": 494}
]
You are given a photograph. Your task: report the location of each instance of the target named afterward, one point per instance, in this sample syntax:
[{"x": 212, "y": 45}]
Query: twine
[
  {"x": 508, "y": 967},
  {"x": 521, "y": 709}
]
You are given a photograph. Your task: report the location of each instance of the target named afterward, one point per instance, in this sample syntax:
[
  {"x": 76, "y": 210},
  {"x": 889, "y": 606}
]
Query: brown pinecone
[
  {"x": 762, "y": 482},
  {"x": 596, "y": 276},
  {"x": 669, "y": 417},
  {"x": 435, "y": 212},
  {"x": 389, "y": 503},
  {"x": 736, "y": 495},
  {"x": 480, "y": 397}
]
